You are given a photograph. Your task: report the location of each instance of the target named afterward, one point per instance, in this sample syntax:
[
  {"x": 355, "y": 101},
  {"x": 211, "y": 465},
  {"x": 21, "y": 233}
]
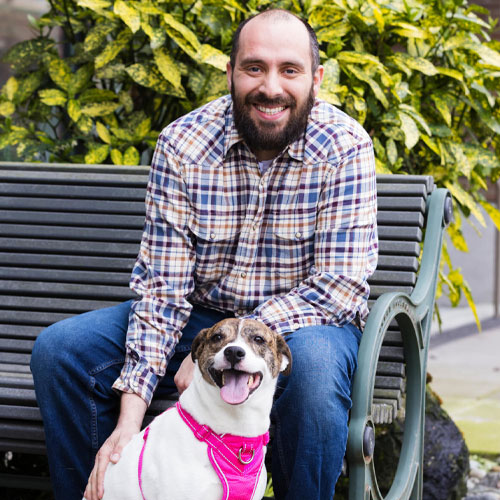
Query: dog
[{"x": 211, "y": 446}]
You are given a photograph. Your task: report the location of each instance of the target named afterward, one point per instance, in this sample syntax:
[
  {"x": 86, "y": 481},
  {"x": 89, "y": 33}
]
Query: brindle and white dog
[{"x": 207, "y": 446}]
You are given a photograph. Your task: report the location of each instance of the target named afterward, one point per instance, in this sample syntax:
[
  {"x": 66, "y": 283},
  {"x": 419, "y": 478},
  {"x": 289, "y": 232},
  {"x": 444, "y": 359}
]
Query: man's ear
[
  {"x": 229, "y": 73},
  {"x": 285, "y": 356},
  {"x": 196, "y": 346},
  {"x": 317, "y": 79}
]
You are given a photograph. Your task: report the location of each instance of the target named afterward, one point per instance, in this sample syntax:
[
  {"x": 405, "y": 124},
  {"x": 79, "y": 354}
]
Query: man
[{"x": 260, "y": 205}]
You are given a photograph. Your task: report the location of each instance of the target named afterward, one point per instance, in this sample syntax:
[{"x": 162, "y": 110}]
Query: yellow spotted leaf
[
  {"x": 103, "y": 133},
  {"x": 493, "y": 212},
  {"x": 60, "y": 73},
  {"x": 128, "y": 15},
  {"x": 131, "y": 156},
  {"x": 79, "y": 80},
  {"x": 113, "y": 49},
  {"x": 95, "y": 5},
  {"x": 53, "y": 97},
  {"x": 465, "y": 199},
  {"x": 7, "y": 108},
  {"x": 99, "y": 108},
  {"x": 214, "y": 57},
  {"x": 167, "y": 66},
  {"x": 97, "y": 155},
  {"x": 10, "y": 88},
  {"x": 116, "y": 157},
  {"x": 410, "y": 130},
  {"x": 181, "y": 33},
  {"x": 85, "y": 124},
  {"x": 74, "y": 110}
]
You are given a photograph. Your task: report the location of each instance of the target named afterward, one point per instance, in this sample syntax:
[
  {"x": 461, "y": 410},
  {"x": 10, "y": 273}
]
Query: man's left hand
[{"x": 184, "y": 375}]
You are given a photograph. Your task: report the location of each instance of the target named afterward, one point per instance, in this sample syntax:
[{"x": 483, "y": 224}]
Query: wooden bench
[{"x": 69, "y": 236}]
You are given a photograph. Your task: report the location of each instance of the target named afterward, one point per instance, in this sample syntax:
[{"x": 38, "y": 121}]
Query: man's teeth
[{"x": 271, "y": 111}]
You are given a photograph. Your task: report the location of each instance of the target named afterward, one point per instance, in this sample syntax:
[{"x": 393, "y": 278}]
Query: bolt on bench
[{"x": 69, "y": 236}]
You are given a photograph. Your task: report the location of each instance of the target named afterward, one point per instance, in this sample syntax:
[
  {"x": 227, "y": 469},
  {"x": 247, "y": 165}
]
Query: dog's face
[{"x": 238, "y": 356}]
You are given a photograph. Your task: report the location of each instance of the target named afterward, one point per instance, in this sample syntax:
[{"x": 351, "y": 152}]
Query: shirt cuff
[{"x": 137, "y": 377}]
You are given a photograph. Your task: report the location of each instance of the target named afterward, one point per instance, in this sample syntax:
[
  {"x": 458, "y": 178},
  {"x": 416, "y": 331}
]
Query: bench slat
[
  {"x": 387, "y": 218},
  {"x": 37, "y": 317},
  {"x": 67, "y": 261},
  {"x": 73, "y": 192},
  {"x": 400, "y": 233},
  {"x": 401, "y": 278},
  {"x": 397, "y": 263},
  {"x": 69, "y": 233},
  {"x": 16, "y": 332},
  {"x": 64, "y": 276},
  {"x": 70, "y": 247},
  {"x": 399, "y": 248},
  {"x": 56, "y": 304},
  {"x": 86, "y": 206},
  {"x": 72, "y": 219}
]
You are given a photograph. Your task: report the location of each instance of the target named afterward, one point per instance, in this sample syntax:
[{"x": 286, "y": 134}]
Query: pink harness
[{"x": 237, "y": 460}]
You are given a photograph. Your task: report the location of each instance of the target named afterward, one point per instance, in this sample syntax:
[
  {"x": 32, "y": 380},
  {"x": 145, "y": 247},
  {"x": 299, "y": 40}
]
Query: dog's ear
[
  {"x": 285, "y": 355},
  {"x": 197, "y": 343}
]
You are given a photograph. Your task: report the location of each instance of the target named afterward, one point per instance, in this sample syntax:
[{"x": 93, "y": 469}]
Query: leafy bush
[{"x": 422, "y": 76}]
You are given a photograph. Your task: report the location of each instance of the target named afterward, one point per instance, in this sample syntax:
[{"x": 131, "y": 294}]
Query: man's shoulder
[{"x": 198, "y": 128}]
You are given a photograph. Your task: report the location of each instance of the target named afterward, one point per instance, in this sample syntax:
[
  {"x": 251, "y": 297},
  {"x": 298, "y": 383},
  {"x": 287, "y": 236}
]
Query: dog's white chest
[{"x": 175, "y": 466}]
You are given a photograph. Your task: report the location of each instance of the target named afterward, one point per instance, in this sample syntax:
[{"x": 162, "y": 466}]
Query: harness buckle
[{"x": 244, "y": 462}]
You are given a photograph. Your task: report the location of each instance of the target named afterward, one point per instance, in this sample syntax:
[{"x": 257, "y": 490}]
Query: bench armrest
[{"x": 413, "y": 315}]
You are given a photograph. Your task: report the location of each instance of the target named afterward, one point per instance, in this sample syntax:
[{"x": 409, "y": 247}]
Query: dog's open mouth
[{"x": 235, "y": 385}]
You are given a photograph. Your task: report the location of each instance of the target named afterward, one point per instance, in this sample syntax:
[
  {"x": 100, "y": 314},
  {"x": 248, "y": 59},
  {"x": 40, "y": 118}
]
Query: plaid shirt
[{"x": 293, "y": 247}]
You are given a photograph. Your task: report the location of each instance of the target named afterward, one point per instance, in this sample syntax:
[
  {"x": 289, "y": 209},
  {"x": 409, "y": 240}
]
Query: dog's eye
[
  {"x": 216, "y": 337},
  {"x": 258, "y": 339}
]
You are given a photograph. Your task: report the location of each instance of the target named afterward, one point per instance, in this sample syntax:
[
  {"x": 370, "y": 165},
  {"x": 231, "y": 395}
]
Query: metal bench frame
[{"x": 69, "y": 235}]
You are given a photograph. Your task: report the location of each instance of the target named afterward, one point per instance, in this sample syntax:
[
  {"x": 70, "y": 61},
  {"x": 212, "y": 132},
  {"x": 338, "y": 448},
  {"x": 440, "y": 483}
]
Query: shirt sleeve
[
  {"x": 162, "y": 277},
  {"x": 345, "y": 251}
]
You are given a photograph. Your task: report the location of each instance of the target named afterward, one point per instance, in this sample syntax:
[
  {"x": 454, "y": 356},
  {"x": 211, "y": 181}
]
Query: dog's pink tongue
[{"x": 235, "y": 389}]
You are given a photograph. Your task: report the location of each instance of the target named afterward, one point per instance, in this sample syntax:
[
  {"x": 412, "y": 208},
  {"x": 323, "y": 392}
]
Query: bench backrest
[{"x": 69, "y": 236}]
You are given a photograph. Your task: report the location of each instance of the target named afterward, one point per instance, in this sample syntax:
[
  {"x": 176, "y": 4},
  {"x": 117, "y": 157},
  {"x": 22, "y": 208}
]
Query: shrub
[{"x": 422, "y": 76}]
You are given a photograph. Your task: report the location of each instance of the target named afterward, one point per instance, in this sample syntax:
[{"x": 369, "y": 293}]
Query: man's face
[{"x": 272, "y": 84}]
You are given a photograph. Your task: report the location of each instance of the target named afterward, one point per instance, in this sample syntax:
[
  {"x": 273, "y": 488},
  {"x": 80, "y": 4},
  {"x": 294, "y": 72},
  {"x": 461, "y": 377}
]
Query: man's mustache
[{"x": 263, "y": 100}]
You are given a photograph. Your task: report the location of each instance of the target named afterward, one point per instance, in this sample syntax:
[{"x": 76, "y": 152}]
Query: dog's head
[{"x": 239, "y": 356}]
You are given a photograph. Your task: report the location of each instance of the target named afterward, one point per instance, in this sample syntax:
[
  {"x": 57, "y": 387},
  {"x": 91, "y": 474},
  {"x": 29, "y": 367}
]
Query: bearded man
[{"x": 260, "y": 205}]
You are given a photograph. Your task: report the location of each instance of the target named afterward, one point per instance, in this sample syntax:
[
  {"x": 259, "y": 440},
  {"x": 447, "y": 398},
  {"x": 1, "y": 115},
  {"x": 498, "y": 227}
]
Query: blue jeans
[{"x": 76, "y": 361}]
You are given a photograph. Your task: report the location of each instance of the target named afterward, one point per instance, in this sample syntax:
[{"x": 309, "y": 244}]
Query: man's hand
[
  {"x": 132, "y": 411},
  {"x": 184, "y": 375}
]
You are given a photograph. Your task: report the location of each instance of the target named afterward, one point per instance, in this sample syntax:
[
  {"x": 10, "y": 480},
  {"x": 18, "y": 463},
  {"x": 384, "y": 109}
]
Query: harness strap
[{"x": 141, "y": 458}]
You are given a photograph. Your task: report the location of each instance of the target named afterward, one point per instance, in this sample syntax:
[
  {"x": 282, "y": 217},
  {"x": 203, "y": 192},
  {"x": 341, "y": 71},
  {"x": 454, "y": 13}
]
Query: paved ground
[
  {"x": 465, "y": 366},
  {"x": 465, "y": 363}
]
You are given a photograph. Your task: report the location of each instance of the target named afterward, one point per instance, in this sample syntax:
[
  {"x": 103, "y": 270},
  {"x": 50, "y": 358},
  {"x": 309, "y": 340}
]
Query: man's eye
[
  {"x": 254, "y": 69},
  {"x": 290, "y": 71}
]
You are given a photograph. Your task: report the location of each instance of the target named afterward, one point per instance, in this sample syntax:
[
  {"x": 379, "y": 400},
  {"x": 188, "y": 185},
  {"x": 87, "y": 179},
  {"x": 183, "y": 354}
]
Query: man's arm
[
  {"x": 345, "y": 251},
  {"x": 163, "y": 278}
]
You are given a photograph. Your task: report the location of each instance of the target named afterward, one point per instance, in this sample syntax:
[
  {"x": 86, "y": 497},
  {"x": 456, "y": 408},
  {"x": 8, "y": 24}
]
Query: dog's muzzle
[{"x": 235, "y": 385}]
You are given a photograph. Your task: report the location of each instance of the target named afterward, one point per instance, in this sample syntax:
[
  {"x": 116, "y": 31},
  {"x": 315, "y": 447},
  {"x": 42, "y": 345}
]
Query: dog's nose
[{"x": 234, "y": 354}]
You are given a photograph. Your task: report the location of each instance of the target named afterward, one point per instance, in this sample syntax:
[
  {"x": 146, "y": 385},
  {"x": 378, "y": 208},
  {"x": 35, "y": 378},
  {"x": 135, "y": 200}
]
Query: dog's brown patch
[{"x": 266, "y": 343}]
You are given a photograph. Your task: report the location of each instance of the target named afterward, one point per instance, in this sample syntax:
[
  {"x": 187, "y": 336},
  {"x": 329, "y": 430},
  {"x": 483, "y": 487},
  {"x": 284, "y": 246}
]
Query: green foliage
[{"x": 422, "y": 76}]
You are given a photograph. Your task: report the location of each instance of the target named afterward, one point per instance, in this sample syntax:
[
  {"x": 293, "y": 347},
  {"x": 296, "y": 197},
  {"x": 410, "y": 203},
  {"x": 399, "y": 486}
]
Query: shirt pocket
[
  {"x": 215, "y": 241},
  {"x": 294, "y": 242}
]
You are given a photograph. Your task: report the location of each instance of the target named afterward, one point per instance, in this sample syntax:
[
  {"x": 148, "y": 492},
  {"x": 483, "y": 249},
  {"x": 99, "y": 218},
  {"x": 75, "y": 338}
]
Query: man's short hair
[{"x": 279, "y": 14}]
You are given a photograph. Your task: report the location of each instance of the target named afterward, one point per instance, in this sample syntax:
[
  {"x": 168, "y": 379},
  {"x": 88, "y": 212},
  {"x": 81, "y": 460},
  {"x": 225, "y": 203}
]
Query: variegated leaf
[
  {"x": 96, "y": 37},
  {"x": 10, "y": 88},
  {"x": 116, "y": 157},
  {"x": 53, "y": 97},
  {"x": 85, "y": 124},
  {"x": 99, "y": 108},
  {"x": 7, "y": 108},
  {"x": 128, "y": 14},
  {"x": 113, "y": 49},
  {"x": 214, "y": 57},
  {"x": 80, "y": 79},
  {"x": 131, "y": 156},
  {"x": 410, "y": 130},
  {"x": 60, "y": 73},
  {"x": 103, "y": 133},
  {"x": 74, "y": 110},
  {"x": 168, "y": 67},
  {"x": 97, "y": 155},
  {"x": 183, "y": 32}
]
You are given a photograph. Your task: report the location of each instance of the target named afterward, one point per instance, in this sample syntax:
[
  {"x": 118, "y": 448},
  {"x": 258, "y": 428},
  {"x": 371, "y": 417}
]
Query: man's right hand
[{"x": 132, "y": 411}]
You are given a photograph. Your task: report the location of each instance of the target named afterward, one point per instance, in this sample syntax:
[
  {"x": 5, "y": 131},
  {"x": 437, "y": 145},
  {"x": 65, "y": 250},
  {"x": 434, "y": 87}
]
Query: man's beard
[{"x": 266, "y": 136}]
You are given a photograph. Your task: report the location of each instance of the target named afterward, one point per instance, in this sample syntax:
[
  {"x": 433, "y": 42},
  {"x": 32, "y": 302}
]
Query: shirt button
[
  {"x": 213, "y": 236},
  {"x": 132, "y": 345},
  {"x": 243, "y": 275},
  {"x": 298, "y": 234}
]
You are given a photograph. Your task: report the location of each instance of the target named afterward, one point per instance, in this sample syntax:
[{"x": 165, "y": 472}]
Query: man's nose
[
  {"x": 271, "y": 84},
  {"x": 234, "y": 354}
]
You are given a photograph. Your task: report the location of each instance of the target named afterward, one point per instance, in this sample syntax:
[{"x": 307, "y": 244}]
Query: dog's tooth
[
  {"x": 223, "y": 378},
  {"x": 250, "y": 380}
]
